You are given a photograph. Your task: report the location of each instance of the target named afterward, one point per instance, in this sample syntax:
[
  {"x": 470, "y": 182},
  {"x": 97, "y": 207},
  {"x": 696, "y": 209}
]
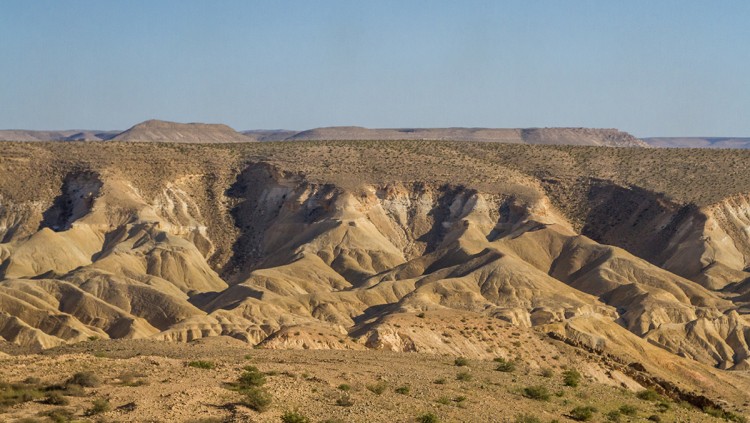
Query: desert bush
[
  {"x": 377, "y": 388},
  {"x": 403, "y": 390},
  {"x": 428, "y": 418},
  {"x": 440, "y": 381},
  {"x": 85, "y": 379},
  {"x": 345, "y": 401},
  {"x": 649, "y": 395},
  {"x": 256, "y": 398},
  {"x": 344, "y": 387},
  {"x": 251, "y": 377},
  {"x": 547, "y": 372},
  {"x": 504, "y": 365},
  {"x": 726, "y": 415},
  {"x": 100, "y": 405},
  {"x": 527, "y": 418},
  {"x": 55, "y": 398},
  {"x": 464, "y": 376},
  {"x": 294, "y": 417},
  {"x": 571, "y": 378},
  {"x": 12, "y": 394},
  {"x": 582, "y": 413},
  {"x": 60, "y": 415},
  {"x": 202, "y": 364},
  {"x": 537, "y": 392},
  {"x": 628, "y": 410},
  {"x": 461, "y": 361},
  {"x": 613, "y": 416}
]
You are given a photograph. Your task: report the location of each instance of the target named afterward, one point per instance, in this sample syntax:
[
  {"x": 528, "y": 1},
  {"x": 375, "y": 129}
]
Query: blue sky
[{"x": 653, "y": 68}]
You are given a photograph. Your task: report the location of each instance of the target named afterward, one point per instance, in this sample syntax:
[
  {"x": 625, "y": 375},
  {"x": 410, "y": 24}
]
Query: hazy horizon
[{"x": 653, "y": 69}]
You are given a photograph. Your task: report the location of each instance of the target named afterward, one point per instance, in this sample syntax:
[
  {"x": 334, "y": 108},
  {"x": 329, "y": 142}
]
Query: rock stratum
[{"x": 639, "y": 255}]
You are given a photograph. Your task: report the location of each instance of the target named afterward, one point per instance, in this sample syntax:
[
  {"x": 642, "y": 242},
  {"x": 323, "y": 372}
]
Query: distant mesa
[
  {"x": 572, "y": 136},
  {"x": 699, "y": 142},
  {"x": 163, "y": 131}
]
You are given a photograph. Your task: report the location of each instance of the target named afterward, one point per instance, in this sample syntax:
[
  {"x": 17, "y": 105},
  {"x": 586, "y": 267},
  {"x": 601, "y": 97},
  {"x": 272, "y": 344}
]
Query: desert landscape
[
  {"x": 372, "y": 280},
  {"x": 374, "y": 212}
]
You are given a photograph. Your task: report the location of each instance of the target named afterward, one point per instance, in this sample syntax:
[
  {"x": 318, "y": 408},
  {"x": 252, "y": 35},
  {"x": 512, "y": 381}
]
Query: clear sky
[{"x": 650, "y": 67}]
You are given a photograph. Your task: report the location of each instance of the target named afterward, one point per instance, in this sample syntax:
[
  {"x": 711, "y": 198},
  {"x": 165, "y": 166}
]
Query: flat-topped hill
[{"x": 163, "y": 131}]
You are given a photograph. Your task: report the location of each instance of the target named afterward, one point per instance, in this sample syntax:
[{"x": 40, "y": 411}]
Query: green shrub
[
  {"x": 344, "y": 387},
  {"x": 613, "y": 416},
  {"x": 100, "y": 405},
  {"x": 56, "y": 398},
  {"x": 571, "y": 378},
  {"x": 547, "y": 373},
  {"x": 582, "y": 413},
  {"x": 377, "y": 388},
  {"x": 461, "y": 361},
  {"x": 202, "y": 364},
  {"x": 74, "y": 391},
  {"x": 649, "y": 395},
  {"x": 85, "y": 379},
  {"x": 256, "y": 398},
  {"x": 428, "y": 418},
  {"x": 60, "y": 415},
  {"x": 294, "y": 417},
  {"x": 345, "y": 401},
  {"x": 403, "y": 390},
  {"x": 538, "y": 392},
  {"x": 251, "y": 377},
  {"x": 628, "y": 410},
  {"x": 504, "y": 365},
  {"x": 464, "y": 376},
  {"x": 726, "y": 415},
  {"x": 444, "y": 400},
  {"x": 17, "y": 394}
]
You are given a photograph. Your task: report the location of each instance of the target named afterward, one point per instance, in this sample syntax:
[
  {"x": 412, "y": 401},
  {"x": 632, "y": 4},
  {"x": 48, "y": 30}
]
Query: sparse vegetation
[
  {"x": 258, "y": 399},
  {"x": 98, "y": 406},
  {"x": 377, "y": 388},
  {"x": 251, "y": 377},
  {"x": 527, "y": 418},
  {"x": 403, "y": 390},
  {"x": 649, "y": 395},
  {"x": 85, "y": 379},
  {"x": 56, "y": 398},
  {"x": 461, "y": 361},
  {"x": 504, "y": 365},
  {"x": 537, "y": 392},
  {"x": 628, "y": 410},
  {"x": 572, "y": 378},
  {"x": 202, "y": 364},
  {"x": 294, "y": 417},
  {"x": 582, "y": 413},
  {"x": 345, "y": 400},
  {"x": 464, "y": 376},
  {"x": 428, "y": 418}
]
